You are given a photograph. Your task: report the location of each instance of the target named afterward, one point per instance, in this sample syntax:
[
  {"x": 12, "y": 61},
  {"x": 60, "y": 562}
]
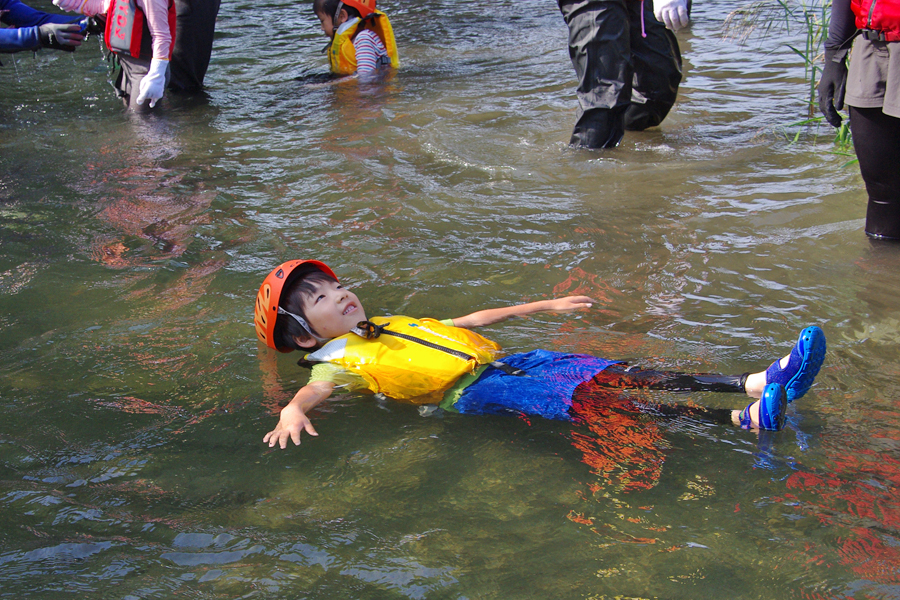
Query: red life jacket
[
  {"x": 126, "y": 26},
  {"x": 878, "y": 16}
]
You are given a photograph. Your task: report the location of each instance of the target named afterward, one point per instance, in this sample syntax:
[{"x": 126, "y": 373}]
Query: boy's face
[{"x": 333, "y": 310}]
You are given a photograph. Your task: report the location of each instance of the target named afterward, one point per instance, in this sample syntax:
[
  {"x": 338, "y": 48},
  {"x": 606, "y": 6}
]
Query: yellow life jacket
[
  {"x": 342, "y": 54},
  {"x": 403, "y": 369}
]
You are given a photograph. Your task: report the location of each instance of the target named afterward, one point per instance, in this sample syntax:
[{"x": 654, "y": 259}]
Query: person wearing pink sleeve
[
  {"x": 144, "y": 56},
  {"x": 141, "y": 33}
]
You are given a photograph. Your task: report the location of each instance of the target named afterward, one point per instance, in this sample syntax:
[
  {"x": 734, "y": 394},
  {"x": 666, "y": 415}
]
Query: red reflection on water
[
  {"x": 869, "y": 557},
  {"x": 141, "y": 199},
  {"x": 858, "y": 499},
  {"x": 622, "y": 448},
  {"x": 582, "y": 283}
]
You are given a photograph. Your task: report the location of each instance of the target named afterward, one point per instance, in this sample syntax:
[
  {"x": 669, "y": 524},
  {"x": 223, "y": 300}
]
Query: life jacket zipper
[{"x": 369, "y": 330}]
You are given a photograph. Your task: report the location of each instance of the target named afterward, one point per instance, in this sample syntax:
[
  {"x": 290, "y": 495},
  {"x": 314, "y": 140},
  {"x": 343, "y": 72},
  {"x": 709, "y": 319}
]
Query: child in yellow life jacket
[
  {"x": 301, "y": 305},
  {"x": 362, "y": 40}
]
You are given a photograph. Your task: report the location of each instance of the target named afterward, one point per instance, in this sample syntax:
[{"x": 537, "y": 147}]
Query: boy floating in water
[
  {"x": 302, "y": 306},
  {"x": 362, "y": 39}
]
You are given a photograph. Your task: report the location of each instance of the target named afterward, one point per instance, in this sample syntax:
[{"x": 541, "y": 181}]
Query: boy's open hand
[
  {"x": 569, "y": 303},
  {"x": 292, "y": 422},
  {"x": 293, "y": 419}
]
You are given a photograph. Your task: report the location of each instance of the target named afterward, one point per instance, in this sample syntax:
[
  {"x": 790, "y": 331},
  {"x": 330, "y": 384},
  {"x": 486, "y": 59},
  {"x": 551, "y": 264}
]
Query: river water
[{"x": 134, "y": 395}]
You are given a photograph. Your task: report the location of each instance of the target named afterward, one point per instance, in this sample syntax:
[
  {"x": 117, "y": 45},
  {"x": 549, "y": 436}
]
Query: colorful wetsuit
[
  {"x": 623, "y": 441},
  {"x": 551, "y": 381},
  {"x": 545, "y": 390}
]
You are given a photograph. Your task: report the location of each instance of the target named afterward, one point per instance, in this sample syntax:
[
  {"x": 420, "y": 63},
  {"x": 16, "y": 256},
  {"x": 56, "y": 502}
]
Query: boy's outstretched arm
[
  {"x": 293, "y": 416},
  {"x": 495, "y": 315}
]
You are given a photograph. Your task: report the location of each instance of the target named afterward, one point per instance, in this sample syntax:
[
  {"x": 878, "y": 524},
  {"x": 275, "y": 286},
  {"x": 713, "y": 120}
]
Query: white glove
[
  {"x": 154, "y": 82},
  {"x": 674, "y": 13},
  {"x": 86, "y": 7}
]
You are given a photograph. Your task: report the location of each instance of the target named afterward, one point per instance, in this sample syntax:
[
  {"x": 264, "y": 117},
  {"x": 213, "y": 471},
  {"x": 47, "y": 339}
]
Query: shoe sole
[
  {"x": 773, "y": 394},
  {"x": 812, "y": 340}
]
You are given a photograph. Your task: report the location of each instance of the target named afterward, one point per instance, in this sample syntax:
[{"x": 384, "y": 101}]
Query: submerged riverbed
[{"x": 134, "y": 395}]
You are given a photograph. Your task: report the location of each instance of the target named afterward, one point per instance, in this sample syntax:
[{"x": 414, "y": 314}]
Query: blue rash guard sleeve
[{"x": 25, "y": 21}]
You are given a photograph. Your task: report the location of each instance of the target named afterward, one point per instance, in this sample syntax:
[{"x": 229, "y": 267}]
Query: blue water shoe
[
  {"x": 803, "y": 366},
  {"x": 772, "y": 408}
]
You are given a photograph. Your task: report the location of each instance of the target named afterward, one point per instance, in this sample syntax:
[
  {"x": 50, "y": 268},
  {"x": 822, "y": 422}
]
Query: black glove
[
  {"x": 832, "y": 86},
  {"x": 61, "y": 36}
]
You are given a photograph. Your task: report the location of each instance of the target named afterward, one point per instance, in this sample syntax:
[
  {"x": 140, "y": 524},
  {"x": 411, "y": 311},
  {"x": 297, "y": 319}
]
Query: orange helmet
[
  {"x": 266, "y": 310},
  {"x": 365, "y": 7}
]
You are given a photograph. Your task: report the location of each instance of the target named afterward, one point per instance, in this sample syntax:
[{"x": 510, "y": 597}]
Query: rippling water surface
[{"x": 134, "y": 396}]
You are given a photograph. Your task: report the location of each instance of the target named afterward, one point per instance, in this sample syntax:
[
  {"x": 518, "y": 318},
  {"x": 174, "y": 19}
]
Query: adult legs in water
[
  {"x": 657, "y": 68},
  {"x": 195, "y": 26},
  {"x": 876, "y": 139},
  {"x": 628, "y": 67}
]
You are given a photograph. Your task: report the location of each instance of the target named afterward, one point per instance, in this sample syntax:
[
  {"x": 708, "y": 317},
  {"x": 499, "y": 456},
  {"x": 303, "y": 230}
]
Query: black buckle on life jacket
[
  {"x": 873, "y": 35},
  {"x": 368, "y": 329}
]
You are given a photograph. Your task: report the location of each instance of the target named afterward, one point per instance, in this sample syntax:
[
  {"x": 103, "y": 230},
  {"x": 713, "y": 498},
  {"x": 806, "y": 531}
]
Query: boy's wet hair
[
  {"x": 301, "y": 285},
  {"x": 329, "y": 7}
]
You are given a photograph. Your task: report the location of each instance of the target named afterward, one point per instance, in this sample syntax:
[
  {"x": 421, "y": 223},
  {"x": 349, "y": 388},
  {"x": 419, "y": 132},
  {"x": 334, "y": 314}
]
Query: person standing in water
[
  {"x": 195, "y": 27},
  {"x": 871, "y": 89},
  {"x": 628, "y": 65},
  {"x": 140, "y": 33}
]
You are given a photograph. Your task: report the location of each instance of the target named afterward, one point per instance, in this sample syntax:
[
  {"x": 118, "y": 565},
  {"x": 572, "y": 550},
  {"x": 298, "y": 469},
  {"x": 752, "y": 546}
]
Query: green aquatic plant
[
  {"x": 842, "y": 138},
  {"x": 764, "y": 17},
  {"x": 757, "y": 19},
  {"x": 812, "y": 17}
]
